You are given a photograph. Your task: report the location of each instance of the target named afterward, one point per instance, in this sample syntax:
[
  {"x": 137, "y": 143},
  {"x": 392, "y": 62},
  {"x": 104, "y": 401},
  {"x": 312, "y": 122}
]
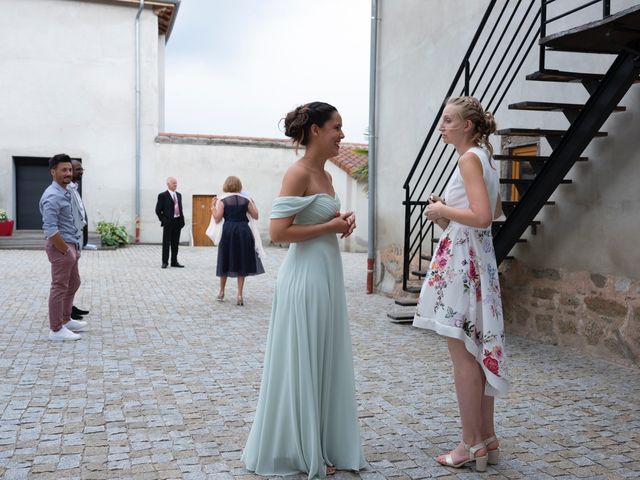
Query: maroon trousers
[{"x": 65, "y": 281}]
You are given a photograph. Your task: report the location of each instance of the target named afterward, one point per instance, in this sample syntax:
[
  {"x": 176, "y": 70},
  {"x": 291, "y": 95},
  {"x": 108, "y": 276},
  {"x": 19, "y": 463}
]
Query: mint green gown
[{"x": 306, "y": 417}]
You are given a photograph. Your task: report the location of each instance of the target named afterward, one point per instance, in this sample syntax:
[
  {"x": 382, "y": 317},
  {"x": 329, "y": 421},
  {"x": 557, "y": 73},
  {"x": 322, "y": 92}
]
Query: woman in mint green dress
[{"x": 306, "y": 418}]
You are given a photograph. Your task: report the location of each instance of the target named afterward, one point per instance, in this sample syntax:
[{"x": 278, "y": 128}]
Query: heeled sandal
[
  {"x": 493, "y": 456},
  {"x": 220, "y": 297},
  {"x": 481, "y": 462},
  {"x": 240, "y": 301}
]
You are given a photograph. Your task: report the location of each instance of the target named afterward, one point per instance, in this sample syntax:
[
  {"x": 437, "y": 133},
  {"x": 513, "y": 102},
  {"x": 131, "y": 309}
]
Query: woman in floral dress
[{"x": 460, "y": 297}]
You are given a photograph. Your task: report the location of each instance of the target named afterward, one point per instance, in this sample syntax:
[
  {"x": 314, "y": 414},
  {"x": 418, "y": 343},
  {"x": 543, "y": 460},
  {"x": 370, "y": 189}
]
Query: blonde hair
[
  {"x": 232, "y": 185},
  {"x": 484, "y": 123}
]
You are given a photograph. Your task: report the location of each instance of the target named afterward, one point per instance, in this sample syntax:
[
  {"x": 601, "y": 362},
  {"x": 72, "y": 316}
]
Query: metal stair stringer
[{"x": 610, "y": 90}]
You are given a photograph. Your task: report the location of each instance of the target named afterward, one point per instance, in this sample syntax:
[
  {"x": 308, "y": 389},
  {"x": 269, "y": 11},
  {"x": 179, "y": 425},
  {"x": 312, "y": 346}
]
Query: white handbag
[{"x": 214, "y": 230}]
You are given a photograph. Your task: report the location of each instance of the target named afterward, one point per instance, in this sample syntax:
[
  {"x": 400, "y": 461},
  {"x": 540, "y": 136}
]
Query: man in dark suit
[{"x": 169, "y": 211}]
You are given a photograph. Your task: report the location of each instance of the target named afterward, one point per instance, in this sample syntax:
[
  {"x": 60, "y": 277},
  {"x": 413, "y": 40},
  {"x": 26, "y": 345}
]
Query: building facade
[
  {"x": 576, "y": 280},
  {"x": 69, "y": 85}
]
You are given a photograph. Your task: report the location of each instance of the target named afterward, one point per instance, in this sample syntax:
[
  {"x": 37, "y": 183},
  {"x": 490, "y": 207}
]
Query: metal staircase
[{"x": 508, "y": 31}]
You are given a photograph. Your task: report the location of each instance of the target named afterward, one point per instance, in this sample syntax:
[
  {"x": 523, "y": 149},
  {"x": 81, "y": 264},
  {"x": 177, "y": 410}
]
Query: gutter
[
  {"x": 176, "y": 4},
  {"x": 371, "y": 214}
]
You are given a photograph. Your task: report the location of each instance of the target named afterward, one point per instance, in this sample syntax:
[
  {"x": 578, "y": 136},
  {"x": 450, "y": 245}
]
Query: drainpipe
[
  {"x": 371, "y": 239},
  {"x": 138, "y": 115}
]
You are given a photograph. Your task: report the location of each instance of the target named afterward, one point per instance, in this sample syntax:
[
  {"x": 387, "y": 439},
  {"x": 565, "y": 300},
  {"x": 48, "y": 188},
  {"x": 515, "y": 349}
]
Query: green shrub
[
  {"x": 112, "y": 234},
  {"x": 361, "y": 173},
  {"x": 3, "y": 215}
]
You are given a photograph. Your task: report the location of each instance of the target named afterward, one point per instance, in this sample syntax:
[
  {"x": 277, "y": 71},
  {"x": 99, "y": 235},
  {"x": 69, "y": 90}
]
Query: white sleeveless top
[{"x": 456, "y": 196}]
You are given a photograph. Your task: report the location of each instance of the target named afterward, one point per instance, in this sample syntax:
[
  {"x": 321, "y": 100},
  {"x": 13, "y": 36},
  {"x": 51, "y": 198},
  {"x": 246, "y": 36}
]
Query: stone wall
[{"x": 598, "y": 314}]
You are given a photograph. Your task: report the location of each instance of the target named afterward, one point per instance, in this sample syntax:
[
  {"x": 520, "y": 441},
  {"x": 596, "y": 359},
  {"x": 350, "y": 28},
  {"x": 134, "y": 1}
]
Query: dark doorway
[{"x": 32, "y": 177}]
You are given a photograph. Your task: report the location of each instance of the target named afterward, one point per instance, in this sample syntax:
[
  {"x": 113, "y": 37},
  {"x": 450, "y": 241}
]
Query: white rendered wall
[
  {"x": 421, "y": 45},
  {"x": 202, "y": 169},
  {"x": 353, "y": 198},
  {"x": 67, "y": 83}
]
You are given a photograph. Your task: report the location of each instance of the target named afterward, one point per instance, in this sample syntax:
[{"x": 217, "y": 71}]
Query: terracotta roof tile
[{"x": 348, "y": 160}]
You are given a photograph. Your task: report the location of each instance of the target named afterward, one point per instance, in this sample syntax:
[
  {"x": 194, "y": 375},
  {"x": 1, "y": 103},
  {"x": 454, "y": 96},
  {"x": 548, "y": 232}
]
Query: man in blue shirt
[{"x": 62, "y": 224}]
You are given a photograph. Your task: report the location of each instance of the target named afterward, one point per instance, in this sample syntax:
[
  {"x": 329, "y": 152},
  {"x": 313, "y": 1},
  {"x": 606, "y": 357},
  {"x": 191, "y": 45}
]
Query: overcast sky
[{"x": 237, "y": 67}]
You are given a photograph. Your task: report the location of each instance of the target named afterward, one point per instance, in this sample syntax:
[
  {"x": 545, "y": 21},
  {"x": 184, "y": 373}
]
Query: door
[
  {"x": 32, "y": 178},
  {"x": 201, "y": 216},
  {"x": 522, "y": 170}
]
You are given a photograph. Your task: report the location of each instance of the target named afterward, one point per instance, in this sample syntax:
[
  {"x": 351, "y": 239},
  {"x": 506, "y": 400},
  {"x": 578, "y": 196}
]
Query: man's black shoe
[
  {"x": 165, "y": 265},
  {"x": 78, "y": 311},
  {"x": 76, "y": 316},
  {"x": 177, "y": 265}
]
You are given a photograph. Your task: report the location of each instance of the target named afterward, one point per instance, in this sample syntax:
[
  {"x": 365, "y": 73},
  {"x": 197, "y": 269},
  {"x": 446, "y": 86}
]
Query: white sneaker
[
  {"x": 63, "y": 334},
  {"x": 75, "y": 325}
]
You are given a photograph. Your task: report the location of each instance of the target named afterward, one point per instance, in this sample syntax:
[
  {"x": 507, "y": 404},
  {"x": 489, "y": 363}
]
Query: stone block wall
[{"x": 598, "y": 314}]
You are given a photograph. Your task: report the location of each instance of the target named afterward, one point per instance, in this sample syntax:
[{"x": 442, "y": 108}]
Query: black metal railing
[
  {"x": 507, "y": 33},
  {"x": 504, "y": 39}
]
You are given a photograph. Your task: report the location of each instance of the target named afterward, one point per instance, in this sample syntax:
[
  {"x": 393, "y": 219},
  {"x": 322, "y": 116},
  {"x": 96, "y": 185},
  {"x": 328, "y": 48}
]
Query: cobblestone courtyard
[{"x": 164, "y": 383}]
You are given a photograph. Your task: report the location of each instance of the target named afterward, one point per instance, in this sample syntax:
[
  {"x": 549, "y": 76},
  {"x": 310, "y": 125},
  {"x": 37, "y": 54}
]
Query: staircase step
[
  {"x": 538, "y": 132},
  {"x": 413, "y": 289},
  {"x": 406, "y": 302},
  {"x": 526, "y": 158},
  {"x": 524, "y": 181},
  {"x": 608, "y": 35},
  {"x": 426, "y": 257},
  {"x": 565, "y": 77},
  {"x": 509, "y": 203},
  {"x": 419, "y": 273},
  {"x": 401, "y": 317},
  {"x": 552, "y": 106},
  {"x": 34, "y": 240},
  {"x": 520, "y": 240}
]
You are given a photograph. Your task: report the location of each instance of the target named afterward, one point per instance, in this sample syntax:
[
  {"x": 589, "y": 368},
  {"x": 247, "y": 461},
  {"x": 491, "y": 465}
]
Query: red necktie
[{"x": 176, "y": 209}]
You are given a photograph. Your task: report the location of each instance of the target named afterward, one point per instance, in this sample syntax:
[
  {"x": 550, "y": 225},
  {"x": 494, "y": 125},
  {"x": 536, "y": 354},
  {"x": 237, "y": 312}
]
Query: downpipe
[
  {"x": 138, "y": 120},
  {"x": 371, "y": 214}
]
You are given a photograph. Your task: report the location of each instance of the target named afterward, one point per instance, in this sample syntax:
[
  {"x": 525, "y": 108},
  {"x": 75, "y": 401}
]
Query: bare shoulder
[
  {"x": 295, "y": 181},
  {"x": 469, "y": 161},
  {"x": 470, "y": 167},
  {"x": 469, "y": 157}
]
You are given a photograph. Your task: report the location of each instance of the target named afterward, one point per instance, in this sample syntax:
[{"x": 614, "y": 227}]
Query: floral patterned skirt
[{"x": 460, "y": 298}]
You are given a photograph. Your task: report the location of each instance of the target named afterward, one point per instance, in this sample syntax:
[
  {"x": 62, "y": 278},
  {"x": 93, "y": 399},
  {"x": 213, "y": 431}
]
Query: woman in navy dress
[{"x": 237, "y": 255}]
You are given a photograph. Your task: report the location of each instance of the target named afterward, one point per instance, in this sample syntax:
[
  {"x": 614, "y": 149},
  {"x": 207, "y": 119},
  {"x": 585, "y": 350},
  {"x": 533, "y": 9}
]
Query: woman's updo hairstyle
[
  {"x": 484, "y": 123},
  {"x": 298, "y": 121}
]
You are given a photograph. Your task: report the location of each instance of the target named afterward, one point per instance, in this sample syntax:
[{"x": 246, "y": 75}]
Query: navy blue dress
[{"x": 237, "y": 255}]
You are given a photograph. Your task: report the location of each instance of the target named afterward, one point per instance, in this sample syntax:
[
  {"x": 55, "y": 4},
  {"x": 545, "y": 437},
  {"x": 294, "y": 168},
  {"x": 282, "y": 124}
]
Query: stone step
[{"x": 34, "y": 240}]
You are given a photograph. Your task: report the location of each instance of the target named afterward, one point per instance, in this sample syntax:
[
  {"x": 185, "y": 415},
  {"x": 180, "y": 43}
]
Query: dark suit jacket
[{"x": 164, "y": 210}]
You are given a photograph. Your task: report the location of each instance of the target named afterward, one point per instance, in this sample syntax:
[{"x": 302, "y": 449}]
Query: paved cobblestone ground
[{"x": 165, "y": 382}]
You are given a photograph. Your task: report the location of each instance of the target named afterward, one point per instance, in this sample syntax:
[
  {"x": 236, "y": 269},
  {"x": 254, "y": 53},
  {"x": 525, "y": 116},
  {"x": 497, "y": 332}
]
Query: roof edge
[{"x": 165, "y": 10}]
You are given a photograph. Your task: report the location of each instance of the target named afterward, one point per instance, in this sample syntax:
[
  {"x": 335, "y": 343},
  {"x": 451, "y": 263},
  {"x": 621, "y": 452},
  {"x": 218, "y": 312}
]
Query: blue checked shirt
[{"x": 59, "y": 214}]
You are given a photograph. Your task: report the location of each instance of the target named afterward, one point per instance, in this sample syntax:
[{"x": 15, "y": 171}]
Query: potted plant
[
  {"x": 112, "y": 234},
  {"x": 6, "y": 225}
]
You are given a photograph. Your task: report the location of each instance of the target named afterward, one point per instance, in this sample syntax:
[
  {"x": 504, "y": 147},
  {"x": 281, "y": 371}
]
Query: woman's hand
[
  {"x": 433, "y": 198},
  {"x": 435, "y": 211},
  {"x": 217, "y": 209},
  {"x": 253, "y": 209},
  {"x": 352, "y": 225},
  {"x": 341, "y": 223}
]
